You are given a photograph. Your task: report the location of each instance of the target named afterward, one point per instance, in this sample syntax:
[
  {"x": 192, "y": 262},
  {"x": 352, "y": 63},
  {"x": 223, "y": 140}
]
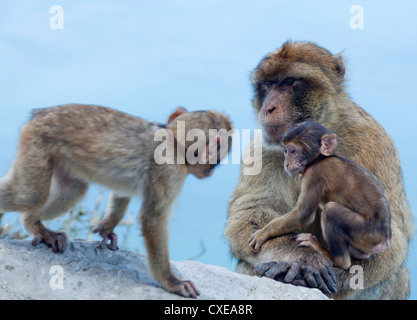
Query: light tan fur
[{"x": 61, "y": 149}]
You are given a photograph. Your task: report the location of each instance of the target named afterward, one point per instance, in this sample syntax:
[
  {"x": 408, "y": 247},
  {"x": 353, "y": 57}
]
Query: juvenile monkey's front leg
[
  {"x": 153, "y": 218},
  {"x": 115, "y": 210}
]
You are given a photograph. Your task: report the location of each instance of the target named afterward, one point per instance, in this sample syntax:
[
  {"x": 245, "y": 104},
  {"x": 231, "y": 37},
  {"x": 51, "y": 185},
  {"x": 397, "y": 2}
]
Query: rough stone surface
[{"x": 28, "y": 272}]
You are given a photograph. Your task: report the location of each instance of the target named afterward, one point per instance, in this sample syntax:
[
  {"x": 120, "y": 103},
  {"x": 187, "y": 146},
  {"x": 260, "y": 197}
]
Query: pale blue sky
[{"x": 147, "y": 57}]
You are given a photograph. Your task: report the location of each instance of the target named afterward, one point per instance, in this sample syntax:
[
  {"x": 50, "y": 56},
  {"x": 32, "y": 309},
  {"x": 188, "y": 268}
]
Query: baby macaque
[
  {"x": 61, "y": 149},
  {"x": 355, "y": 219}
]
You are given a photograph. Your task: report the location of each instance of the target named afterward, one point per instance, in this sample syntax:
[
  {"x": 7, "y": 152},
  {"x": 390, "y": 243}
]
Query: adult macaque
[
  {"x": 298, "y": 82},
  {"x": 61, "y": 149},
  {"x": 355, "y": 220}
]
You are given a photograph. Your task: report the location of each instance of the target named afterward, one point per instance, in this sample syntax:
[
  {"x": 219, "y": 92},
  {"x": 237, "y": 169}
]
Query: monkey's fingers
[
  {"x": 277, "y": 269},
  {"x": 293, "y": 271},
  {"x": 256, "y": 241},
  {"x": 113, "y": 242},
  {"x": 331, "y": 273},
  {"x": 57, "y": 241},
  {"x": 323, "y": 280},
  {"x": 260, "y": 269},
  {"x": 187, "y": 289},
  {"x": 252, "y": 242},
  {"x": 330, "y": 278},
  {"x": 308, "y": 237},
  {"x": 106, "y": 237},
  {"x": 36, "y": 240}
]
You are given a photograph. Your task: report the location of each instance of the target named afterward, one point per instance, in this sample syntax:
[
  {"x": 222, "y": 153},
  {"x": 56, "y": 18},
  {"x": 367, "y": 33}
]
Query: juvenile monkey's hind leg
[
  {"x": 26, "y": 184},
  {"x": 56, "y": 240},
  {"x": 339, "y": 224},
  {"x": 64, "y": 193}
]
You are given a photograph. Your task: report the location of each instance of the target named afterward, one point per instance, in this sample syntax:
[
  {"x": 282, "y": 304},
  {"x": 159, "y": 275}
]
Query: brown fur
[
  {"x": 61, "y": 149},
  {"x": 356, "y": 218},
  {"x": 257, "y": 200}
]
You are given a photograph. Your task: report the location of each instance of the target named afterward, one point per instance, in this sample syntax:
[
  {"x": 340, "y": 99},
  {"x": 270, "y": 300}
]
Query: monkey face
[
  {"x": 292, "y": 84},
  {"x": 295, "y": 160},
  {"x": 277, "y": 113}
]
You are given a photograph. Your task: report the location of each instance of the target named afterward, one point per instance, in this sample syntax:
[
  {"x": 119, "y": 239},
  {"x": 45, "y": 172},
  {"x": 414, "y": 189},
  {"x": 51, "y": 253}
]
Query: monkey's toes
[
  {"x": 306, "y": 240},
  {"x": 57, "y": 241},
  {"x": 255, "y": 242},
  {"x": 186, "y": 289},
  {"x": 106, "y": 237}
]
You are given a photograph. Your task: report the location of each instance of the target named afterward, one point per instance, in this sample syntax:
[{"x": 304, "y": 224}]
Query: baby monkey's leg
[{"x": 341, "y": 226}]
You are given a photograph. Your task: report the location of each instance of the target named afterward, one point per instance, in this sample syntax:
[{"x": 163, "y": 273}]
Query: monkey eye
[
  {"x": 288, "y": 82},
  {"x": 293, "y": 151},
  {"x": 268, "y": 83}
]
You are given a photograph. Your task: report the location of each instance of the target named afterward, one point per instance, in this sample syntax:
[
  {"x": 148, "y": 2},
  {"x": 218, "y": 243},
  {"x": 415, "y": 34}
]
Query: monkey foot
[
  {"x": 310, "y": 240},
  {"x": 184, "y": 288},
  {"x": 257, "y": 240},
  {"x": 57, "y": 241},
  {"x": 110, "y": 236},
  {"x": 307, "y": 240}
]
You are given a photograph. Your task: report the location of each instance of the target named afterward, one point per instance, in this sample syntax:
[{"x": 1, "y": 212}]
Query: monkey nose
[{"x": 271, "y": 109}]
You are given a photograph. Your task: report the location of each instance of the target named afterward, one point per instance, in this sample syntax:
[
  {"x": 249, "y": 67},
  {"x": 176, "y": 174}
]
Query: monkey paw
[
  {"x": 184, "y": 288},
  {"x": 307, "y": 240},
  {"x": 300, "y": 274},
  {"x": 106, "y": 237},
  {"x": 257, "y": 240},
  {"x": 57, "y": 241}
]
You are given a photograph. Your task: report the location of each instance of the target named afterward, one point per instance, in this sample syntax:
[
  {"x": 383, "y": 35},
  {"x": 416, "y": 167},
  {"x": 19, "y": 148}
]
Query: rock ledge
[{"x": 84, "y": 272}]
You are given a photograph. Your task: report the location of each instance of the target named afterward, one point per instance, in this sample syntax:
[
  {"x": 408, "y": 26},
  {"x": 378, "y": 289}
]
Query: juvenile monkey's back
[
  {"x": 77, "y": 114},
  {"x": 78, "y": 121},
  {"x": 354, "y": 186},
  {"x": 90, "y": 131}
]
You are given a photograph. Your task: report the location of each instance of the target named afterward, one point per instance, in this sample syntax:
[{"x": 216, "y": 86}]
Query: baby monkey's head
[{"x": 304, "y": 143}]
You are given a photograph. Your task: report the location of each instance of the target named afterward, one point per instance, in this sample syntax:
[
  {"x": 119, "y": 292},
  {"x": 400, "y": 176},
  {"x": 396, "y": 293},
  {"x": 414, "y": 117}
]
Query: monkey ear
[
  {"x": 339, "y": 65},
  {"x": 209, "y": 154},
  {"x": 178, "y": 112},
  {"x": 328, "y": 144}
]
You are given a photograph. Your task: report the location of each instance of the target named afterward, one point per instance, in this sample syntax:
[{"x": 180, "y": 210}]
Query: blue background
[{"x": 147, "y": 57}]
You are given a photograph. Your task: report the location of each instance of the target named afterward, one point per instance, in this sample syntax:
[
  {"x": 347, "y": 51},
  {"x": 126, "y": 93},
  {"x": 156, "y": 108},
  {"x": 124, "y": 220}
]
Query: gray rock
[{"x": 84, "y": 272}]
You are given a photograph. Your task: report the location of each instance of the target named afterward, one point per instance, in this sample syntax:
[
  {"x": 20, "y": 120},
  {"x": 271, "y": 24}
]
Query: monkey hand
[
  {"x": 185, "y": 288},
  {"x": 310, "y": 269},
  {"x": 106, "y": 237},
  {"x": 257, "y": 239}
]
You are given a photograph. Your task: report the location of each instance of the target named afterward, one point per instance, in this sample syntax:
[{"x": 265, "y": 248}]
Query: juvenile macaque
[
  {"x": 355, "y": 220},
  {"x": 61, "y": 149}
]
